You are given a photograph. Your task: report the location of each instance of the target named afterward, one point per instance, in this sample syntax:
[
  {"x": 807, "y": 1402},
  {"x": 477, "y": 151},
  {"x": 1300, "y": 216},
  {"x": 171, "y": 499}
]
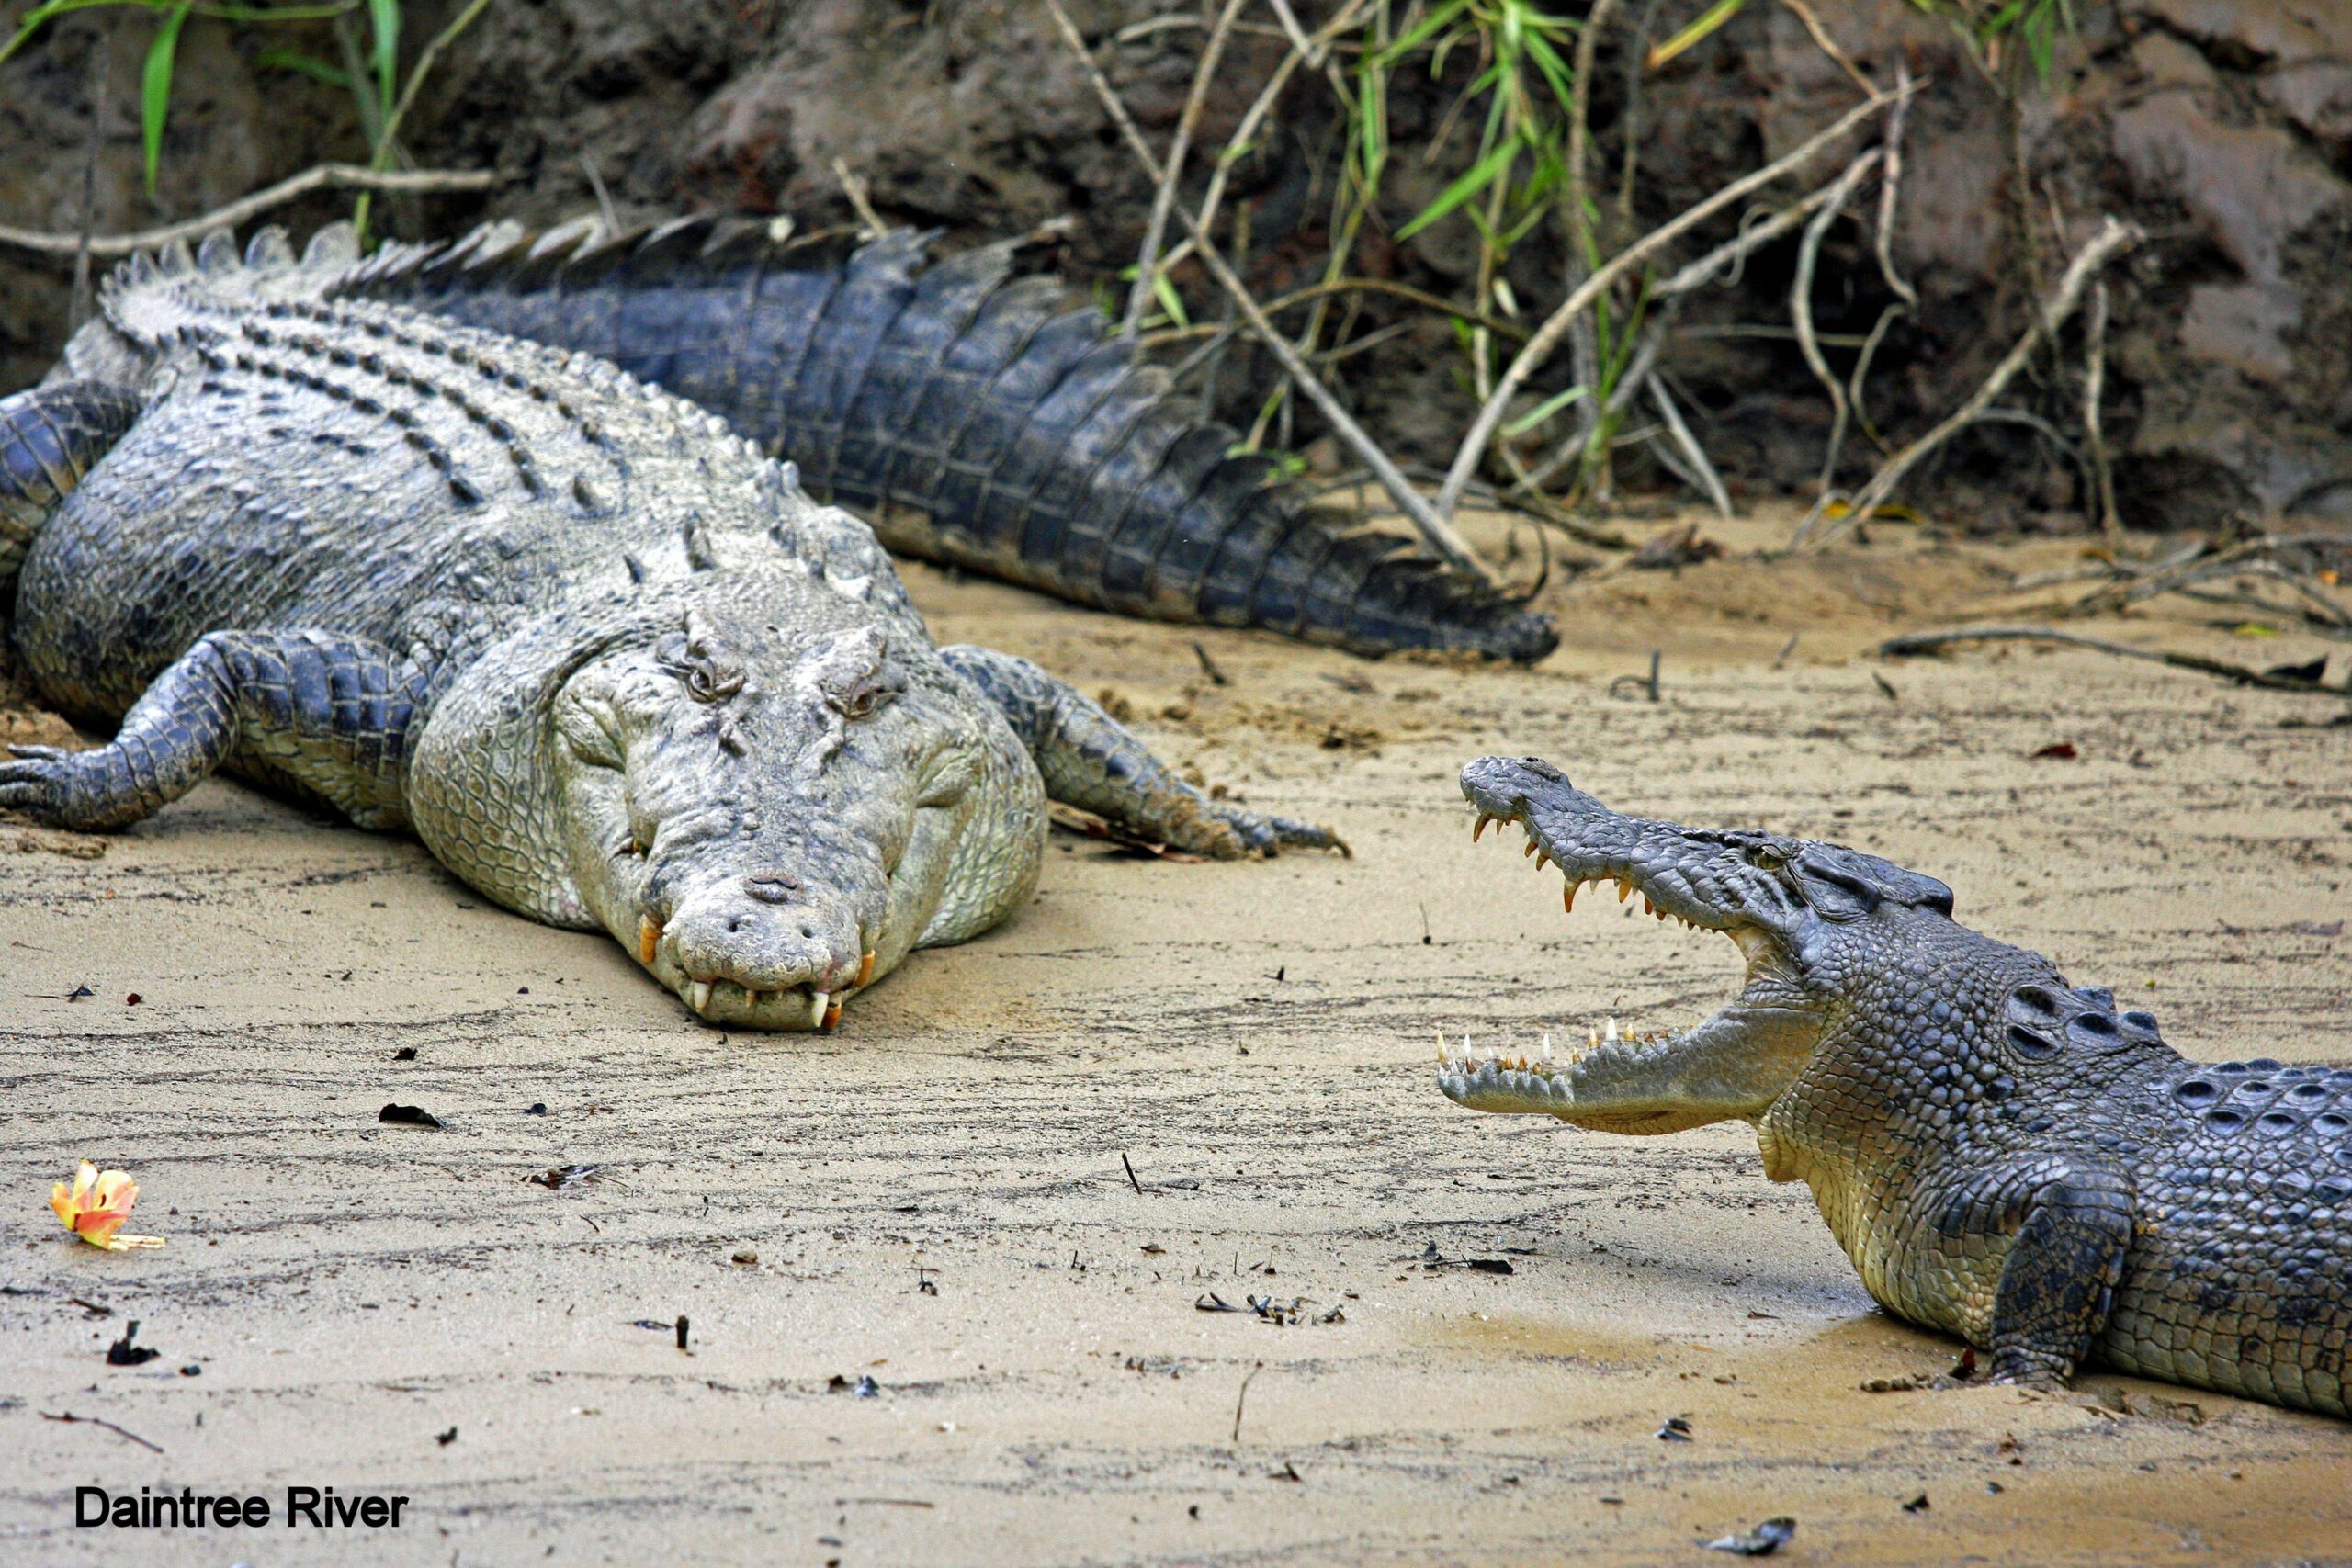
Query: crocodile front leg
[
  {"x": 1092, "y": 762},
  {"x": 2060, "y": 1277},
  {"x": 50, "y": 437},
  {"x": 2061, "y": 1229},
  {"x": 335, "y": 713}
]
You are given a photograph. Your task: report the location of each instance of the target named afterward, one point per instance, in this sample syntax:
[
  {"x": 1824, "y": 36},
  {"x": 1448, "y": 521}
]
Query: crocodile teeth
[
  {"x": 817, "y": 1002},
  {"x": 1478, "y": 831},
  {"x": 1568, "y": 896},
  {"x": 698, "y": 995},
  {"x": 864, "y": 970},
  {"x": 648, "y": 937}
]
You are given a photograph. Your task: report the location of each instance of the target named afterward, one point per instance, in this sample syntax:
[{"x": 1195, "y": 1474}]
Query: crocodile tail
[{"x": 976, "y": 415}]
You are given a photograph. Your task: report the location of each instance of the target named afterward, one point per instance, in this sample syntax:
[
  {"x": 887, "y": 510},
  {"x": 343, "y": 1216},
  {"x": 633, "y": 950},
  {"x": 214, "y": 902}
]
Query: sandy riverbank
[{"x": 934, "y": 1196}]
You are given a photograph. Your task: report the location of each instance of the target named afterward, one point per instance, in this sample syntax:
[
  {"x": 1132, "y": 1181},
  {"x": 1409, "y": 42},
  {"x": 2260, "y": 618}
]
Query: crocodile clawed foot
[
  {"x": 1271, "y": 835},
  {"x": 35, "y": 781},
  {"x": 2044, "y": 1374}
]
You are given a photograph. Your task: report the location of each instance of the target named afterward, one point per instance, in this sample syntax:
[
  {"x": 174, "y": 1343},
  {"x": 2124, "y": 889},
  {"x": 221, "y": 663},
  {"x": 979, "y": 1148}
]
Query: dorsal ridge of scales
[{"x": 443, "y": 389}]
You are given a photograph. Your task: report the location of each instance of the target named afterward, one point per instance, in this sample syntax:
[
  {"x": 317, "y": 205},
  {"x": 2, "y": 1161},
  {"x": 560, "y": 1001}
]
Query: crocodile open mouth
[{"x": 1607, "y": 1075}]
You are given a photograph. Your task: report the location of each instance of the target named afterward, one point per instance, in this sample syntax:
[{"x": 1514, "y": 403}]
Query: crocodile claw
[
  {"x": 35, "y": 780},
  {"x": 1271, "y": 835}
]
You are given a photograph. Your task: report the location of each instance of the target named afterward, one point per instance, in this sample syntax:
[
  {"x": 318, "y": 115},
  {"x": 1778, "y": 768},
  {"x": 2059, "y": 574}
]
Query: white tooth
[
  {"x": 817, "y": 1002},
  {"x": 1546, "y": 1056},
  {"x": 1609, "y": 1036},
  {"x": 698, "y": 995}
]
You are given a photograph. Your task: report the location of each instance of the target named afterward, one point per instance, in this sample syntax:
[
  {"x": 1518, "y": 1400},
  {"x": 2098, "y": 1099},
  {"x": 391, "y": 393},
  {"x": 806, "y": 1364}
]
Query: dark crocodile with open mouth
[
  {"x": 2004, "y": 1156},
  {"x": 604, "y": 656}
]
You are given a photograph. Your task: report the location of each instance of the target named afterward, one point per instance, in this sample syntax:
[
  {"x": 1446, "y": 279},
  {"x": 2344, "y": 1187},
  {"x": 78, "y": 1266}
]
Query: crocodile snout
[{"x": 745, "y": 949}]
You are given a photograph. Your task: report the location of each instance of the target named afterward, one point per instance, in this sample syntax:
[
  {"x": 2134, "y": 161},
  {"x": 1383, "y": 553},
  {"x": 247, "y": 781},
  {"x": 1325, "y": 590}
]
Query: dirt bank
[
  {"x": 935, "y": 1197},
  {"x": 2223, "y": 127}
]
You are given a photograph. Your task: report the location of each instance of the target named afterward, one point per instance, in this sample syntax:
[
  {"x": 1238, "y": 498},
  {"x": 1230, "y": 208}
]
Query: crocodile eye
[
  {"x": 865, "y": 703},
  {"x": 1767, "y": 857}
]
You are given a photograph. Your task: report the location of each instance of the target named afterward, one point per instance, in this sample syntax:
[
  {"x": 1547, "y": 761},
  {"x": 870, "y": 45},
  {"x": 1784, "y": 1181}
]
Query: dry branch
[
  {"x": 1439, "y": 534},
  {"x": 1155, "y": 227},
  {"x": 2114, "y": 237},
  {"x": 1547, "y": 337},
  {"x": 1890, "y": 189},
  {"x": 1928, "y": 642},
  {"x": 1801, "y": 306},
  {"x": 2094, "y": 389},
  {"x": 1692, "y": 453},
  {"x": 325, "y": 176}
]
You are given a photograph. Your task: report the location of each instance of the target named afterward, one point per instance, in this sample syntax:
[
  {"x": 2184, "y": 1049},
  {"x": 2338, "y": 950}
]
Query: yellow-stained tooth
[
  {"x": 1568, "y": 896},
  {"x": 1528, "y": 850},
  {"x": 648, "y": 938},
  {"x": 1478, "y": 831},
  {"x": 1625, "y": 889},
  {"x": 1542, "y": 859}
]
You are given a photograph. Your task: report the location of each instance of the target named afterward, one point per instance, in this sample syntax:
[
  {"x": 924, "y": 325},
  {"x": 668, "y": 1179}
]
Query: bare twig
[
  {"x": 1692, "y": 453},
  {"x": 1310, "y": 53},
  {"x": 1801, "y": 310},
  {"x": 861, "y": 200},
  {"x": 1434, "y": 528},
  {"x": 1254, "y": 1371},
  {"x": 1854, "y": 386},
  {"x": 1889, "y": 187},
  {"x": 1827, "y": 45},
  {"x": 323, "y": 177},
  {"x": 605, "y": 208},
  {"x": 2094, "y": 389},
  {"x": 1547, "y": 337},
  {"x": 1313, "y": 291},
  {"x": 1581, "y": 248},
  {"x": 69, "y": 1418},
  {"x": 388, "y": 138},
  {"x": 2114, "y": 237},
  {"x": 429, "y": 56},
  {"x": 1156, "y": 228},
  {"x": 1927, "y": 642}
]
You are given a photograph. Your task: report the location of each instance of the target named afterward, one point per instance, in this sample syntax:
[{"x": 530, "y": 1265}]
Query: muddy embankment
[{"x": 2224, "y": 126}]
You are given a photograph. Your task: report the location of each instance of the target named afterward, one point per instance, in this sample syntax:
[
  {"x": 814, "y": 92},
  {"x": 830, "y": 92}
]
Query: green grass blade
[
  {"x": 1488, "y": 169},
  {"x": 1169, "y": 300},
  {"x": 1713, "y": 17},
  {"x": 1542, "y": 412},
  {"x": 302, "y": 64},
  {"x": 155, "y": 86},
  {"x": 385, "y": 16}
]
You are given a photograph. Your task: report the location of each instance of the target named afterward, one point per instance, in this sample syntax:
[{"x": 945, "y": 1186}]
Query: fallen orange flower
[{"x": 96, "y": 1205}]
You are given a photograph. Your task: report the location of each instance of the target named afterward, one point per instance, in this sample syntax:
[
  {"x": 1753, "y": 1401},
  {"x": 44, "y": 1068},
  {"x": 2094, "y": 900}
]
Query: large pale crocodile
[
  {"x": 974, "y": 416},
  {"x": 601, "y": 654},
  {"x": 2004, "y": 1156}
]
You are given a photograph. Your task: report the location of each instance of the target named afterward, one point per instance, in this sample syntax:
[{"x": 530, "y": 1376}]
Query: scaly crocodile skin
[
  {"x": 2002, "y": 1157},
  {"x": 606, "y": 659},
  {"x": 986, "y": 420}
]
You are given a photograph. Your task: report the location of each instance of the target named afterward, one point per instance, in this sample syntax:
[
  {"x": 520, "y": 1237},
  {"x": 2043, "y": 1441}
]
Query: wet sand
[{"x": 938, "y": 1196}]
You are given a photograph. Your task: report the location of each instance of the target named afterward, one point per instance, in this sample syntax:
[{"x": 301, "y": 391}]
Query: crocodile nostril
[{"x": 772, "y": 888}]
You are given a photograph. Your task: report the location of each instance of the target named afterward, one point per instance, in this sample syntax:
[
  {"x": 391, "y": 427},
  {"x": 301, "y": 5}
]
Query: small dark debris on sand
[{"x": 123, "y": 1353}]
